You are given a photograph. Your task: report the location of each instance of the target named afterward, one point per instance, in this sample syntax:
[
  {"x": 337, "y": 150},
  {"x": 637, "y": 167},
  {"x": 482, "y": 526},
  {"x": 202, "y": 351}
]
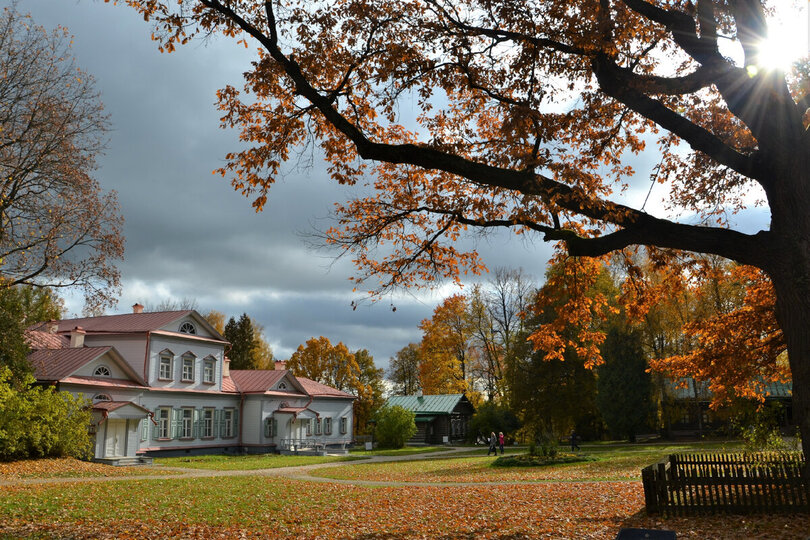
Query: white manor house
[{"x": 160, "y": 385}]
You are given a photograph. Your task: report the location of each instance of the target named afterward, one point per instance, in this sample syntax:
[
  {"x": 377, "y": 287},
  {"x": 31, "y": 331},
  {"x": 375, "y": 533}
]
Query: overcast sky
[{"x": 189, "y": 235}]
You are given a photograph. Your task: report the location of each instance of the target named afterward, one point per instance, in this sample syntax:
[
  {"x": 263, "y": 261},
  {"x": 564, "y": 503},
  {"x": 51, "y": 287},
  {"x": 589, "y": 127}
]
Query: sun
[{"x": 787, "y": 39}]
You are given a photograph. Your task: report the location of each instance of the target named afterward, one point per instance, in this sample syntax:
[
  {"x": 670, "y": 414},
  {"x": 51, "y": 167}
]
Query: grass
[
  {"x": 250, "y": 462},
  {"x": 262, "y": 507},
  {"x": 405, "y": 451},
  {"x": 613, "y": 463}
]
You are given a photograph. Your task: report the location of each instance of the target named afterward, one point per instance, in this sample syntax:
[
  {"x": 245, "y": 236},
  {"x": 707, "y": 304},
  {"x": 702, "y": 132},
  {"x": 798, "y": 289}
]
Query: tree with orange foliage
[
  {"x": 332, "y": 365},
  {"x": 57, "y": 227},
  {"x": 525, "y": 112},
  {"x": 445, "y": 350}
]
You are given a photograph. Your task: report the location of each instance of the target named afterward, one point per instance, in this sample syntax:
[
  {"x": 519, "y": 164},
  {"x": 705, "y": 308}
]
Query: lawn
[
  {"x": 253, "y": 506},
  {"x": 406, "y": 451},
  {"x": 615, "y": 463},
  {"x": 250, "y": 462},
  {"x": 261, "y": 507},
  {"x": 69, "y": 468}
]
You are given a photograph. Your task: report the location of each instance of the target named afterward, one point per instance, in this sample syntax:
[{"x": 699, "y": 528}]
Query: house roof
[
  {"x": 688, "y": 388},
  {"x": 263, "y": 380},
  {"x": 256, "y": 380},
  {"x": 228, "y": 385},
  {"x": 313, "y": 388},
  {"x": 427, "y": 404},
  {"x": 113, "y": 405},
  {"x": 39, "y": 339},
  {"x": 130, "y": 323},
  {"x": 56, "y": 364}
]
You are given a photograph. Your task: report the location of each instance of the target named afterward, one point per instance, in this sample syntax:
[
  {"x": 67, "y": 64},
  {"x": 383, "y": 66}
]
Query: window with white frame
[
  {"x": 344, "y": 424},
  {"x": 208, "y": 371},
  {"x": 317, "y": 426},
  {"x": 308, "y": 423},
  {"x": 188, "y": 368},
  {"x": 165, "y": 367},
  {"x": 102, "y": 371},
  {"x": 187, "y": 423},
  {"x": 227, "y": 423},
  {"x": 208, "y": 423},
  {"x": 188, "y": 328},
  {"x": 327, "y": 426},
  {"x": 164, "y": 423}
]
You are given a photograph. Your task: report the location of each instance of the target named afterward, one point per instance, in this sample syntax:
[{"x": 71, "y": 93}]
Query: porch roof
[{"x": 121, "y": 409}]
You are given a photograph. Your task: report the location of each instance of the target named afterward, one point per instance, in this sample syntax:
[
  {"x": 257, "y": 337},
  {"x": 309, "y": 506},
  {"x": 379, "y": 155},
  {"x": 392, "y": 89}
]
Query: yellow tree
[
  {"x": 445, "y": 350},
  {"x": 332, "y": 365},
  {"x": 525, "y": 112}
]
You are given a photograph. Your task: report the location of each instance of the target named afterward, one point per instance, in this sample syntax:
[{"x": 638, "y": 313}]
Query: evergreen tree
[
  {"x": 624, "y": 386},
  {"x": 240, "y": 334}
]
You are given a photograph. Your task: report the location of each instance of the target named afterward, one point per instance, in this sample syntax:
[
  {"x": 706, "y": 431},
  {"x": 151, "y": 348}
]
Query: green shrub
[
  {"x": 394, "y": 426},
  {"x": 493, "y": 418},
  {"x": 530, "y": 460},
  {"x": 39, "y": 422}
]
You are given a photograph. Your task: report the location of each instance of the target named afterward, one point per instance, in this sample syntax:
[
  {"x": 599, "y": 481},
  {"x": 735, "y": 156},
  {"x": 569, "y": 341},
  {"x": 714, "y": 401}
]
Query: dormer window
[
  {"x": 188, "y": 328},
  {"x": 102, "y": 371}
]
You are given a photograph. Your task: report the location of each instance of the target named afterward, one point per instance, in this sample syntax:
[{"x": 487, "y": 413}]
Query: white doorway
[{"x": 115, "y": 442}]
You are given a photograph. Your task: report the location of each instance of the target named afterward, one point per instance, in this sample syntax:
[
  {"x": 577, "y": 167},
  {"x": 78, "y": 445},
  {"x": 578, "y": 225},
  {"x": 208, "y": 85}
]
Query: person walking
[
  {"x": 493, "y": 441},
  {"x": 573, "y": 440},
  {"x": 500, "y": 440}
]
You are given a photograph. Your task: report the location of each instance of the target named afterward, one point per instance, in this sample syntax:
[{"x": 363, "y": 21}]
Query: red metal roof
[
  {"x": 55, "y": 364},
  {"x": 112, "y": 405},
  {"x": 228, "y": 385},
  {"x": 101, "y": 381},
  {"x": 256, "y": 380},
  {"x": 313, "y": 388},
  {"x": 126, "y": 322},
  {"x": 39, "y": 339}
]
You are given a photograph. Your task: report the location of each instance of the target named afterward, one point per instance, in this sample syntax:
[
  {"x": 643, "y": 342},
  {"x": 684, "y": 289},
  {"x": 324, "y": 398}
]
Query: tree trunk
[{"x": 792, "y": 285}]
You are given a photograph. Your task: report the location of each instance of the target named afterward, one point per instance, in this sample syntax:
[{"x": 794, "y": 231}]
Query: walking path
[{"x": 300, "y": 472}]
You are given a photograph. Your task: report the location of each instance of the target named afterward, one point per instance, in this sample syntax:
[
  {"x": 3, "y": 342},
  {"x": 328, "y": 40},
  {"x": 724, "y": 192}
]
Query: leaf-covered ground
[
  {"x": 249, "y": 462},
  {"x": 68, "y": 468},
  {"x": 261, "y": 507}
]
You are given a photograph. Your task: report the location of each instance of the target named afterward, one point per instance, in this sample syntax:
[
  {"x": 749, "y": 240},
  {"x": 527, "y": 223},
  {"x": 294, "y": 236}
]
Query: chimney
[
  {"x": 226, "y": 367},
  {"x": 137, "y": 308},
  {"x": 280, "y": 364},
  {"x": 77, "y": 337},
  {"x": 52, "y": 326},
  {"x": 419, "y": 395}
]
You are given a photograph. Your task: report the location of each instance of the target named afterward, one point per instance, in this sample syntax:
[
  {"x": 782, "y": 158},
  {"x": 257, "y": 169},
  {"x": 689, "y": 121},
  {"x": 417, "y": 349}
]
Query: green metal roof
[
  {"x": 440, "y": 404},
  {"x": 689, "y": 388}
]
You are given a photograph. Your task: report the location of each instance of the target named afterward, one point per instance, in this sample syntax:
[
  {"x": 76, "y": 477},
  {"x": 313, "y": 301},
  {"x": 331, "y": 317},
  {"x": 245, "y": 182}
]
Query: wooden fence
[{"x": 689, "y": 484}]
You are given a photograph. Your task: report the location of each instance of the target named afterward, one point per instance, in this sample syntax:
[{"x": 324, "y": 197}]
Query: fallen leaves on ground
[
  {"x": 478, "y": 469},
  {"x": 260, "y": 507},
  {"x": 68, "y": 467}
]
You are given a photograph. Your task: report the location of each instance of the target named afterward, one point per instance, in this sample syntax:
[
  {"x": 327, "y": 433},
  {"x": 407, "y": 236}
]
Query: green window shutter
[
  {"x": 219, "y": 423},
  {"x": 145, "y": 429},
  {"x": 177, "y": 423},
  {"x": 275, "y": 426},
  {"x": 235, "y": 423},
  {"x": 196, "y": 425}
]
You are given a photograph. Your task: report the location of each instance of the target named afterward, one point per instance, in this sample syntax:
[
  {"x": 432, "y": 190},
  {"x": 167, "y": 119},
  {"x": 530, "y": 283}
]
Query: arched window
[
  {"x": 101, "y": 397},
  {"x": 188, "y": 328},
  {"x": 102, "y": 371},
  {"x": 282, "y": 386}
]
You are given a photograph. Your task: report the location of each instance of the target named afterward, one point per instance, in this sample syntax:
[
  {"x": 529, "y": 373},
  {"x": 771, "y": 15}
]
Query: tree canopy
[
  {"x": 524, "y": 115},
  {"x": 57, "y": 226}
]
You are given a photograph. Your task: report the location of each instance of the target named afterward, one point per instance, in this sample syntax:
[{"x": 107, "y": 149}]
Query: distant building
[
  {"x": 160, "y": 385},
  {"x": 439, "y": 418}
]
